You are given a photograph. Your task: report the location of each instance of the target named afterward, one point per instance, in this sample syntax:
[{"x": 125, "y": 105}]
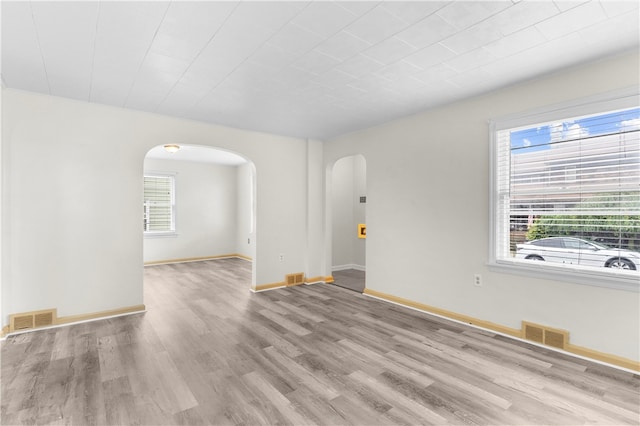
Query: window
[
  {"x": 562, "y": 181},
  {"x": 159, "y": 204}
]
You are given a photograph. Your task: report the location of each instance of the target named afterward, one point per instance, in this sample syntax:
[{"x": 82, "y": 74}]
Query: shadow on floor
[{"x": 351, "y": 279}]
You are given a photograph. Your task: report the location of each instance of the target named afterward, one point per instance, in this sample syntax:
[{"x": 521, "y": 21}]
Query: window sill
[
  {"x": 162, "y": 234},
  {"x": 619, "y": 280}
]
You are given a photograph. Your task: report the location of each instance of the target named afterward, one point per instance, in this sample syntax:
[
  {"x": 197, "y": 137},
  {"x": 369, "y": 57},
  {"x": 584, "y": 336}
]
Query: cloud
[
  {"x": 567, "y": 130},
  {"x": 575, "y": 132},
  {"x": 633, "y": 124},
  {"x": 526, "y": 142}
]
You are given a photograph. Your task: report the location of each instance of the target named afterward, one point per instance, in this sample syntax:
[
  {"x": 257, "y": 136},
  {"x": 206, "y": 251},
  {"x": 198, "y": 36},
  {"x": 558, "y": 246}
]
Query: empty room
[{"x": 320, "y": 212}]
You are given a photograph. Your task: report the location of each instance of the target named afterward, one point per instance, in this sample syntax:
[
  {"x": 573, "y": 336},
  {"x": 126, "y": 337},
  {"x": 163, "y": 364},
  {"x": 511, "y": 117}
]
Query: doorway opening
[
  {"x": 348, "y": 218},
  {"x": 199, "y": 204}
]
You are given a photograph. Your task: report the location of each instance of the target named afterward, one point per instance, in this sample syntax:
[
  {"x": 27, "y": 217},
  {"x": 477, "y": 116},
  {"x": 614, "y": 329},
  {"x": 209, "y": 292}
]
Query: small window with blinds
[
  {"x": 567, "y": 194},
  {"x": 159, "y": 204}
]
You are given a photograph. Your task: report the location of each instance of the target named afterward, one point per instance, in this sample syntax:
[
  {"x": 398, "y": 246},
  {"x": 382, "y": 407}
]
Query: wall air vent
[
  {"x": 35, "y": 319},
  {"x": 545, "y": 335},
  {"x": 294, "y": 279},
  {"x": 533, "y": 332},
  {"x": 557, "y": 339}
]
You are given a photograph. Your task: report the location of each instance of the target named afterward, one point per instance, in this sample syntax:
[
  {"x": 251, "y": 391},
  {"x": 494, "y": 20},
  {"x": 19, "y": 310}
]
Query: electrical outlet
[
  {"x": 477, "y": 280},
  {"x": 281, "y": 257}
]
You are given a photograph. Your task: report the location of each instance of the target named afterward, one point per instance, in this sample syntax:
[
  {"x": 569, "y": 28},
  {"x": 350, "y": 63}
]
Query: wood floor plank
[{"x": 210, "y": 352}]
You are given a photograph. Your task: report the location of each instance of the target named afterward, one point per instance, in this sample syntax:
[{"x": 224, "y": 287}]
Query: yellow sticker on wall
[{"x": 362, "y": 230}]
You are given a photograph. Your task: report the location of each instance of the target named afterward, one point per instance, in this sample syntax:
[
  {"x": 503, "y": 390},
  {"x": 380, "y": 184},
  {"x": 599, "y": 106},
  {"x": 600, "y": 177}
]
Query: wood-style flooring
[
  {"x": 210, "y": 352},
  {"x": 352, "y": 279}
]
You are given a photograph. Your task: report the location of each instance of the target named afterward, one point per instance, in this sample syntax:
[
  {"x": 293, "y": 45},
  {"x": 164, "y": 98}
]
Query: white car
[{"x": 575, "y": 251}]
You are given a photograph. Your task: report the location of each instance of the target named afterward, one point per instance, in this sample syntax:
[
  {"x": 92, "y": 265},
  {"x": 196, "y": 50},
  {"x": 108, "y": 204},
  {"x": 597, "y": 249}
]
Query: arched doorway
[
  {"x": 199, "y": 204},
  {"x": 348, "y": 195}
]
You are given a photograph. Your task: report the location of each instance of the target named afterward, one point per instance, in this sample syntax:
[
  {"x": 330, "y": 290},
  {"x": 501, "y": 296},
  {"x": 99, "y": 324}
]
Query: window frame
[
  {"x": 173, "y": 231},
  {"x": 621, "y": 99}
]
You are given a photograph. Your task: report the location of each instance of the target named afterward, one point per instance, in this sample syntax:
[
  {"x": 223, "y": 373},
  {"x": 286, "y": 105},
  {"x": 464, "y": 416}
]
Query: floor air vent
[
  {"x": 294, "y": 279},
  {"x": 545, "y": 335},
  {"x": 35, "y": 319}
]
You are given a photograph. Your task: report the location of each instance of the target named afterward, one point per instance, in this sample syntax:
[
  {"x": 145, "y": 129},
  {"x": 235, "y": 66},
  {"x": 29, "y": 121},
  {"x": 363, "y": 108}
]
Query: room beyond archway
[
  {"x": 348, "y": 213},
  {"x": 199, "y": 203}
]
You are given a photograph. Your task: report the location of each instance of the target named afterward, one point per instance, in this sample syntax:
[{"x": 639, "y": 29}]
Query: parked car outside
[{"x": 575, "y": 251}]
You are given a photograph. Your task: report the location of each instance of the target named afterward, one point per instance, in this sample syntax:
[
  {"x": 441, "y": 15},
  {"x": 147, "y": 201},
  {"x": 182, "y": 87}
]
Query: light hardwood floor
[{"x": 210, "y": 352}]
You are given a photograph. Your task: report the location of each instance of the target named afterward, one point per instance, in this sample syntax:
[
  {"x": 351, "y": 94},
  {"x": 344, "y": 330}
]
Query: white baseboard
[{"x": 349, "y": 266}]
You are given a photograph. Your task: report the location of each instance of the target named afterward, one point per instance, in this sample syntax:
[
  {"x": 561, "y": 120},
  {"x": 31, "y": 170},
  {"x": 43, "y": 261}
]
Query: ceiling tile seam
[
  {"x": 250, "y": 54},
  {"x": 339, "y": 4},
  {"x": 371, "y": 45},
  {"x": 44, "y": 64},
  {"x": 93, "y": 59},
  {"x": 423, "y": 18},
  {"x": 290, "y": 21},
  {"x": 559, "y": 12},
  {"x": 418, "y": 48},
  {"x": 613, "y": 15},
  {"x": 475, "y": 23},
  {"x": 499, "y": 58},
  {"x": 520, "y": 51},
  {"x": 534, "y": 25},
  {"x": 164, "y": 15},
  {"x": 324, "y": 39},
  {"x": 362, "y": 53},
  {"x": 606, "y": 18},
  {"x": 577, "y": 31},
  {"x": 574, "y": 5},
  {"x": 195, "y": 58}
]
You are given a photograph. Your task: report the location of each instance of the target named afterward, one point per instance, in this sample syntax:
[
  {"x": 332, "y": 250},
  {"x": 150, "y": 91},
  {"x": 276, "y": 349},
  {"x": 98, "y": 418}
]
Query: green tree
[{"x": 623, "y": 230}]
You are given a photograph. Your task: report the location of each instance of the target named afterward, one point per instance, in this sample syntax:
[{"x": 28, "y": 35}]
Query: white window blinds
[
  {"x": 576, "y": 177},
  {"x": 159, "y": 204}
]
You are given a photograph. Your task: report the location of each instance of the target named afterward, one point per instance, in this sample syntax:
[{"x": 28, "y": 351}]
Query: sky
[{"x": 540, "y": 137}]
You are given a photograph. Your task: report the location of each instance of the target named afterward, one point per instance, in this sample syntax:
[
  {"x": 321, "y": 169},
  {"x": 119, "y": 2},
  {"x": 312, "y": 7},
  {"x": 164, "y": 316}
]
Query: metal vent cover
[
  {"x": 555, "y": 339},
  {"x": 545, "y": 335},
  {"x": 534, "y": 333},
  {"x": 294, "y": 279},
  {"x": 35, "y": 319}
]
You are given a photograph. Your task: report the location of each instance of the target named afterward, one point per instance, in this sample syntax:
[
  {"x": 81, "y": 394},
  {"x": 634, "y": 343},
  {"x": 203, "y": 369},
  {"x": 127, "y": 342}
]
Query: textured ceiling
[{"x": 308, "y": 69}]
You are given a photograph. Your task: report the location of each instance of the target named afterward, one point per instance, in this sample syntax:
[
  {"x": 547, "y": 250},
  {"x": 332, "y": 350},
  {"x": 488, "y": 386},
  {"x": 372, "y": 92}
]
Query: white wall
[
  {"x": 71, "y": 197},
  {"x": 207, "y": 211},
  {"x": 348, "y": 184},
  {"x": 316, "y": 237},
  {"x": 245, "y": 223},
  {"x": 359, "y": 209},
  {"x": 428, "y": 214}
]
